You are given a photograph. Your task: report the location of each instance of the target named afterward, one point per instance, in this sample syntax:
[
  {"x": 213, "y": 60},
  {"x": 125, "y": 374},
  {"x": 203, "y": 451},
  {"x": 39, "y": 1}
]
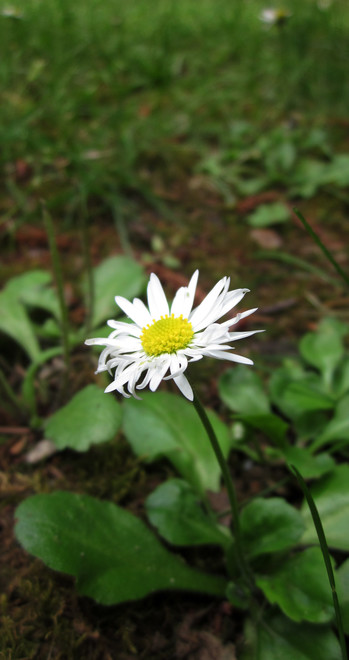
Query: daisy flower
[{"x": 162, "y": 339}]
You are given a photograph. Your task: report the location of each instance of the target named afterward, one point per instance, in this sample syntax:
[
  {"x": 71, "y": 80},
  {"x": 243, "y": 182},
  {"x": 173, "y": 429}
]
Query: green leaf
[
  {"x": 33, "y": 291},
  {"x": 272, "y": 426},
  {"x": 337, "y": 172},
  {"x": 310, "y": 467},
  {"x": 27, "y": 289},
  {"x": 342, "y": 584},
  {"x": 331, "y": 496},
  {"x": 164, "y": 424},
  {"x": 269, "y": 214},
  {"x": 176, "y": 511},
  {"x": 91, "y": 417},
  {"x": 305, "y": 396},
  {"x": 242, "y": 391},
  {"x": 324, "y": 349},
  {"x": 112, "y": 554},
  {"x": 308, "y": 177},
  {"x": 341, "y": 382},
  {"x": 291, "y": 371},
  {"x": 23, "y": 285},
  {"x": 15, "y": 322},
  {"x": 270, "y": 525},
  {"x": 297, "y": 392},
  {"x": 300, "y": 587},
  {"x": 281, "y": 639},
  {"x": 116, "y": 276},
  {"x": 337, "y": 428}
]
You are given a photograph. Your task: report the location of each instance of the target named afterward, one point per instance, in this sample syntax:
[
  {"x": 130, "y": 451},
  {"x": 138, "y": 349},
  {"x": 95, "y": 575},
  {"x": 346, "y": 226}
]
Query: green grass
[{"x": 96, "y": 94}]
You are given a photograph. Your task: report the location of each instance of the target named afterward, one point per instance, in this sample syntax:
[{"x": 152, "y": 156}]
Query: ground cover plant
[{"x": 127, "y": 150}]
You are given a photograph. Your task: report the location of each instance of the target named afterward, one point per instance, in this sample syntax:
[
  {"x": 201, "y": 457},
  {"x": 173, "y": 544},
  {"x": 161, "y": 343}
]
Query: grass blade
[
  {"x": 321, "y": 245},
  {"x": 326, "y": 555}
]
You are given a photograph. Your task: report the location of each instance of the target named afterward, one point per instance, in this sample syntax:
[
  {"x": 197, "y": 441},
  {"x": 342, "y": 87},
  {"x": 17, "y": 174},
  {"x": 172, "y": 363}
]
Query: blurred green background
[{"x": 102, "y": 103}]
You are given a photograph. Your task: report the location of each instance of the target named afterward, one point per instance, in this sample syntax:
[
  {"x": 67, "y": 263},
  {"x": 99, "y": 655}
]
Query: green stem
[
  {"x": 90, "y": 288},
  {"x": 244, "y": 568},
  {"x": 326, "y": 555},
  {"x": 11, "y": 396},
  {"x": 60, "y": 287},
  {"x": 121, "y": 227},
  {"x": 323, "y": 247}
]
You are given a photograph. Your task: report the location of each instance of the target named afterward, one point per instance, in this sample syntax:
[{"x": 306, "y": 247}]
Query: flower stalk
[
  {"x": 240, "y": 555},
  {"x": 60, "y": 288}
]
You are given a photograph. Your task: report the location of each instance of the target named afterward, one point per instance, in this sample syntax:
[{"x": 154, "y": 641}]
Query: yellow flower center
[{"x": 167, "y": 335}]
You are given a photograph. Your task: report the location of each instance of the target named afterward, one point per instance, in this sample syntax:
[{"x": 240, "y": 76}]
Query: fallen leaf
[{"x": 266, "y": 238}]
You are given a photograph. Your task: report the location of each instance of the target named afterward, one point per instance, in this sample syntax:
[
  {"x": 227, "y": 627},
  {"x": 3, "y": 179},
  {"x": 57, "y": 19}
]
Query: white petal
[
  {"x": 184, "y": 298},
  {"x": 145, "y": 380},
  {"x": 158, "y": 375},
  {"x": 183, "y": 385},
  {"x": 100, "y": 341},
  {"x": 181, "y": 363},
  {"x": 232, "y": 299},
  {"x": 143, "y": 311},
  {"x": 127, "y": 374},
  {"x": 234, "y": 336},
  {"x": 158, "y": 305},
  {"x": 199, "y": 315},
  {"x": 178, "y": 303},
  {"x": 132, "y": 311},
  {"x": 232, "y": 357},
  {"x": 111, "y": 387},
  {"x": 128, "y": 328},
  {"x": 128, "y": 344}
]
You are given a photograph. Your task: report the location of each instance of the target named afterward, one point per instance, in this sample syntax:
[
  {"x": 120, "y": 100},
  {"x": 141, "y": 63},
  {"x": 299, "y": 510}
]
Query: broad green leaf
[
  {"x": 270, "y": 525},
  {"x": 338, "y": 427},
  {"x": 323, "y": 349},
  {"x": 269, "y": 214},
  {"x": 280, "y": 380},
  {"x": 22, "y": 285},
  {"x": 331, "y": 496},
  {"x": 242, "y": 391},
  {"x": 164, "y": 424},
  {"x": 272, "y": 426},
  {"x": 15, "y": 322},
  {"x": 305, "y": 396},
  {"x": 176, "y": 511},
  {"x": 341, "y": 382},
  {"x": 337, "y": 172},
  {"x": 281, "y": 157},
  {"x": 342, "y": 585},
  {"x": 310, "y": 467},
  {"x": 300, "y": 587},
  {"x": 32, "y": 290},
  {"x": 116, "y": 276},
  {"x": 281, "y": 639},
  {"x": 297, "y": 392},
  {"x": 91, "y": 417},
  {"x": 309, "y": 175},
  {"x": 309, "y": 425},
  {"x": 112, "y": 554}
]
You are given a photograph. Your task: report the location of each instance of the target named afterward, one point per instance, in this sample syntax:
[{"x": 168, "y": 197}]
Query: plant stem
[
  {"x": 90, "y": 288},
  {"x": 11, "y": 396},
  {"x": 244, "y": 568},
  {"x": 60, "y": 288},
  {"x": 321, "y": 245},
  {"x": 326, "y": 555}
]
